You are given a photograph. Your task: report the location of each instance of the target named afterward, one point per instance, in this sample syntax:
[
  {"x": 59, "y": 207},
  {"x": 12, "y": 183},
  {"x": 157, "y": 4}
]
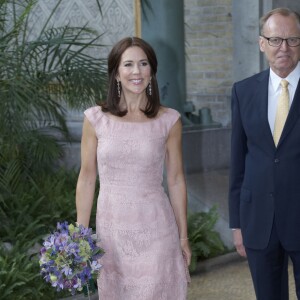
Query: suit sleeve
[{"x": 237, "y": 160}]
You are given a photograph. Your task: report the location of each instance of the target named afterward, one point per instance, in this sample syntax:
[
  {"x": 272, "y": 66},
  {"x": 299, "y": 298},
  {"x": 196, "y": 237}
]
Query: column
[
  {"x": 246, "y": 53},
  {"x": 163, "y": 28}
]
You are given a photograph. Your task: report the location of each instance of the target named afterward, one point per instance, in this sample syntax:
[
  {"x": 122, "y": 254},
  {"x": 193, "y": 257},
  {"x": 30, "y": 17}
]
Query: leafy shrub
[
  {"x": 26, "y": 216},
  {"x": 19, "y": 275},
  {"x": 204, "y": 240}
]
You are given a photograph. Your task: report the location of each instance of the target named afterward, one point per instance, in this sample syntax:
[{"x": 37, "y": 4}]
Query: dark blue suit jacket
[{"x": 264, "y": 180}]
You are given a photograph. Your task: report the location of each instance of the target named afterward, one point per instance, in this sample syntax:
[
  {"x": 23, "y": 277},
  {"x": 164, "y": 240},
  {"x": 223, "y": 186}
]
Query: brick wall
[{"x": 208, "y": 35}]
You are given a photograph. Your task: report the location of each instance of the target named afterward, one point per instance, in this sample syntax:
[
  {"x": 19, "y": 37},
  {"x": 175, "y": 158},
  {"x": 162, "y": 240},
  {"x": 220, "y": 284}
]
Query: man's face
[{"x": 282, "y": 59}]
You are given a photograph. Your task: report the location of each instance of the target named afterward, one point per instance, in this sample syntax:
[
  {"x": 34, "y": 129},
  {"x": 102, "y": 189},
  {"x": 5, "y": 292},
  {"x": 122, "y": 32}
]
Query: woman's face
[{"x": 134, "y": 71}]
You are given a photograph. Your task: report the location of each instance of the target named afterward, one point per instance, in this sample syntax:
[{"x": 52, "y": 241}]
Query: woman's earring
[
  {"x": 119, "y": 89},
  {"x": 150, "y": 89}
]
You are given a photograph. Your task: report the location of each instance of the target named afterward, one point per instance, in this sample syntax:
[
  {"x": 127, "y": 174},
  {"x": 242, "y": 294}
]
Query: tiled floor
[{"x": 231, "y": 281}]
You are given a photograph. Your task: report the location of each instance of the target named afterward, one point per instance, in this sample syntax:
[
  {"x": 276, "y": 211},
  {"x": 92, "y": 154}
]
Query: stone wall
[
  {"x": 115, "y": 22},
  {"x": 209, "y": 48}
]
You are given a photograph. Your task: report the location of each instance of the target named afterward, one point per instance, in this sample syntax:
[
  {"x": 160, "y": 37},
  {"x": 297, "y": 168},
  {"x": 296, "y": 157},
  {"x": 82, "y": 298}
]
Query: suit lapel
[
  {"x": 292, "y": 116},
  {"x": 261, "y": 98}
]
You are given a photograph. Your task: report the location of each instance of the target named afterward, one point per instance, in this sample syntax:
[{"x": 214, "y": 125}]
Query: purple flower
[
  {"x": 85, "y": 275},
  {"x": 63, "y": 227},
  {"x": 95, "y": 265},
  {"x": 68, "y": 284},
  {"x": 49, "y": 243},
  {"x": 58, "y": 284},
  {"x": 61, "y": 240},
  {"x": 47, "y": 277},
  {"x": 76, "y": 282},
  {"x": 67, "y": 270},
  {"x": 73, "y": 248},
  {"x": 85, "y": 231}
]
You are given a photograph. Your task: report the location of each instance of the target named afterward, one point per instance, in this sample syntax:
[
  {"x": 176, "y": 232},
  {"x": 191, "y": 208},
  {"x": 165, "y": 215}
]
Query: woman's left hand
[{"x": 186, "y": 250}]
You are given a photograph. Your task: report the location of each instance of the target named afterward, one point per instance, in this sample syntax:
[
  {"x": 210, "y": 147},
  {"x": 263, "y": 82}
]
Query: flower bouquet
[{"x": 69, "y": 259}]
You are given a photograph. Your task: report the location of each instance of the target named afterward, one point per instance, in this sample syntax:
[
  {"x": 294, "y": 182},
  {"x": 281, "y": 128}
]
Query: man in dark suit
[{"x": 264, "y": 195}]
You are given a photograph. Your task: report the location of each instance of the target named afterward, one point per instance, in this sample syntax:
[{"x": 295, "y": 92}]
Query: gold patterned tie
[{"x": 282, "y": 110}]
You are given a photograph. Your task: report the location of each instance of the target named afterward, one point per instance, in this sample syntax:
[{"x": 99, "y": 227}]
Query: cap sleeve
[
  {"x": 172, "y": 117},
  {"x": 94, "y": 115}
]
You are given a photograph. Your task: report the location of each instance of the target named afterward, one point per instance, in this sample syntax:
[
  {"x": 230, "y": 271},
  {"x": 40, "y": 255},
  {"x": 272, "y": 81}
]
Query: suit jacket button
[{"x": 276, "y": 160}]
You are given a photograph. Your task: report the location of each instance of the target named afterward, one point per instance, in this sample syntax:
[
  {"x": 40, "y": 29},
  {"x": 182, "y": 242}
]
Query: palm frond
[{"x": 40, "y": 78}]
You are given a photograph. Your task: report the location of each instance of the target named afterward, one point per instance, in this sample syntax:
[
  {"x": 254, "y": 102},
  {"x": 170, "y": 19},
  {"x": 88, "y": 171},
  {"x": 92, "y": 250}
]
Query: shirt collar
[{"x": 292, "y": 78}]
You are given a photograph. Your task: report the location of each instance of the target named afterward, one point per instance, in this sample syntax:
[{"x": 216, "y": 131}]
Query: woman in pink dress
[{"x": 128, "y": 141}]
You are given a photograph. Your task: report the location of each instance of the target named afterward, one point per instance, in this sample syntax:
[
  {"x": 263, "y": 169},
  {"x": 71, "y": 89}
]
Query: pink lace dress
[{"x": 135, "y": 221}]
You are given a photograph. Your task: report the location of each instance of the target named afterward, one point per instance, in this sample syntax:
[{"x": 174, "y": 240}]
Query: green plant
[
  {"x": 38, "y": 78},
  {"x": 17, "y": 273},
  {"x": 204, "y": 240},
  {"x": 34, "y": 207}
]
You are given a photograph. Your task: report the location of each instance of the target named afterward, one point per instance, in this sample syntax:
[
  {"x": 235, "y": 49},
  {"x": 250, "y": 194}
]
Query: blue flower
[
  {"x": 73, "y": 248},
  {"x": 61, "y": 240},
  {"x": 85, "y": 275},
  {"x": 49, "y": 243},
  {"x": 85, "y": 231},
  {"x": 63, "y": 227},
  {"x": 67, "y": 270},
  {"x": 95, "y": 265}
]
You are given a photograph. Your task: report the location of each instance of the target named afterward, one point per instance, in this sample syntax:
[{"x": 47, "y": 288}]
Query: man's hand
[{"x": 238, "y": 242}]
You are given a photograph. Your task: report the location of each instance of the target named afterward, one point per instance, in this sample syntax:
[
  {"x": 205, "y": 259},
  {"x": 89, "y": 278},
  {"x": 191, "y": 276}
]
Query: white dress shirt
[{"x": 275, "y": 90}]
